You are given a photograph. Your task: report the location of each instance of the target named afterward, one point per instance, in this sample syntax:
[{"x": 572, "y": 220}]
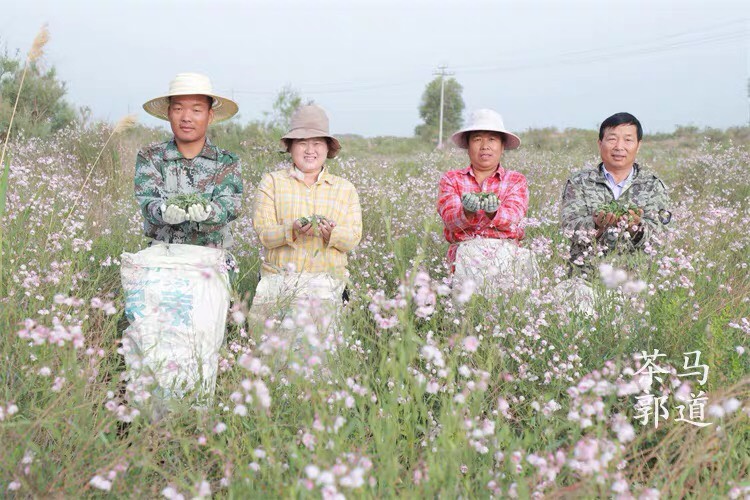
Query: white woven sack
[
  {"x": 495, "y": 265},
  {"x": 576, "y": 294},
  {"x": 176, "y": 299},
  {"x": 317, "y": 295}
]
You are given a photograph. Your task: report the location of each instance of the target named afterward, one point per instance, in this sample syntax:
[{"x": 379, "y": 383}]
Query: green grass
[{"x": 531, "y": 351}]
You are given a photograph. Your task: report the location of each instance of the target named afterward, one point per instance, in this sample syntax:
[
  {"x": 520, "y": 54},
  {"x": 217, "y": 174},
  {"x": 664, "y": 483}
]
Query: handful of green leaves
[
  {"x": 618, "y": 208},
  {"x": 184, "y": 201},
  {"x": 313, "y": 219}
]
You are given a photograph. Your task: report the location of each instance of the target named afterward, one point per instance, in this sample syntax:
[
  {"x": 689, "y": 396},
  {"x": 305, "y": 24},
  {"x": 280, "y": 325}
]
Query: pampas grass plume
[
  {"x": 125, "y": 123},
  {"x": 37, "y": 48}
]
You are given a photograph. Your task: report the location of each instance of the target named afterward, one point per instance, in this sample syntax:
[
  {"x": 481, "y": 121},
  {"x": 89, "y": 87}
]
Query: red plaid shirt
[{"x": 512, "y": 191}]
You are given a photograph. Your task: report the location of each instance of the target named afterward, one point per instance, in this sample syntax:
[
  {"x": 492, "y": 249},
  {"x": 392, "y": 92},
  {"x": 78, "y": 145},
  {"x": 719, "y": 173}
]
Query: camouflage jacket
[
  {"x": 588, "y": 190},
  {"x": 162, "y": 172}
]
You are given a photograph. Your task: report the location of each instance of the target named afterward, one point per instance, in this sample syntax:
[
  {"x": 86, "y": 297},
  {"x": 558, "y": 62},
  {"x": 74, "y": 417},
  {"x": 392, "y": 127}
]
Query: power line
[
  {"x": 607, "y": 51},
  {"x": 667, "y": 43},
  {"x": 593, "y": 56}
]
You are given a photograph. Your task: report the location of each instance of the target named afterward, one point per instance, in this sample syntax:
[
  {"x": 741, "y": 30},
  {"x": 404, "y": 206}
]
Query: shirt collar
[
  {"x": 323, "y": 176},
  {"x": 500, "y": 172},
  {"x": 611, "y": 178},
  {"x": 172, "y": 153}
]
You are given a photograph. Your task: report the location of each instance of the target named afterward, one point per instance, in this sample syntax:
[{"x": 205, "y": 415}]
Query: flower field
[{"x": 425, "y": 389}]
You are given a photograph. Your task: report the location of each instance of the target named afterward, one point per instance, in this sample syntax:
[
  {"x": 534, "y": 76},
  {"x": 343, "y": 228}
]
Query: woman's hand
[
  {"x": 326, "y": 227},
  {"x": 470, "y": 202},
  {"x": 299, "y": 229}
]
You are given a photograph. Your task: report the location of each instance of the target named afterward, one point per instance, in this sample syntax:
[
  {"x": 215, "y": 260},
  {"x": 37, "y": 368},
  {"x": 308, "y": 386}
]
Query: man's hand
[
  {"x": 470, "y": 202},
  {"x": 326, "y": 228},
  {"x": 603, "y": 220},
  {"x": 198, "y": 213},
  {"x": 490, "y": 204},
  {"x": 633, "y": 220},
  {"x": 173, "y": 214}
]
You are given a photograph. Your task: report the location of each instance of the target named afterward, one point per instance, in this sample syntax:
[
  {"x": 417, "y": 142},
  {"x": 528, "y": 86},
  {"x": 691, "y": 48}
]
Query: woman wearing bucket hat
[
  {"x": 482, "y": 207},
  {"x": 189, "y": 164},
  {"x": 307, "y": 219}
]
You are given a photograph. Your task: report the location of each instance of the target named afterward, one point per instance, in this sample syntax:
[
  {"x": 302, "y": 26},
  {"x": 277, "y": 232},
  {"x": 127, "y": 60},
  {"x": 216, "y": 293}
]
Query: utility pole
[{"x": 442, "y": 73}]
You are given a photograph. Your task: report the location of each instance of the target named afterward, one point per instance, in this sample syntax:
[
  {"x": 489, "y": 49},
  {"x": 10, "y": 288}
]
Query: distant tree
[
  {"x": 287, "y": 101},
  {"x": 429, "y": 110},
  {"x": 42, "y": 108}
]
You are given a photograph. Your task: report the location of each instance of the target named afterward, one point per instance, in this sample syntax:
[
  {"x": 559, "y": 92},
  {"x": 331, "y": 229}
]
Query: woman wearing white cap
[
  {"x": 307, "y": 219},
  {"x": 483, "y": 206}
]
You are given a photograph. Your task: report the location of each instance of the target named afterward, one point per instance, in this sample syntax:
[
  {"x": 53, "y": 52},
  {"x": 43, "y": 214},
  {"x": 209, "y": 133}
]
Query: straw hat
[
  {"x": 189, "y": 84},
  {"x": 310, "y": 121},
  {"x": 485, "y": 120}
]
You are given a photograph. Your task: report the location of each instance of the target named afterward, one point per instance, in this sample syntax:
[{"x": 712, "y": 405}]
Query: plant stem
[
  {"x": 13, "y": 114},
  {"x": 88, "y": 176},
  {"x": 3, "y": 192}
]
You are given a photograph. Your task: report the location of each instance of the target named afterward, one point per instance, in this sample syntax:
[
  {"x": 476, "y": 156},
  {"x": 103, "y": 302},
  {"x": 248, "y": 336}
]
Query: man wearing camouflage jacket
[
  {"x": 189, "y": 164},
  {"x": 594, "y": 231}
]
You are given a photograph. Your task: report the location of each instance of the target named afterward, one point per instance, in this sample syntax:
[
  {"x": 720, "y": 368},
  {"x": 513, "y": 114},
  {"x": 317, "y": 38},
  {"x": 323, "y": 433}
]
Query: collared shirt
[
  {"x": 512, "y": 192},
  {"x": 282, "y": 198},
  {"x": 161, "y": 172},
  {"x": 617, "y": 187}
]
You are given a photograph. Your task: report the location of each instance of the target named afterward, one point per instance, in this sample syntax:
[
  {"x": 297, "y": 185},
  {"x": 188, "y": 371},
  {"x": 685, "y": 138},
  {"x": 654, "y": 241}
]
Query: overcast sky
[{"x": 539, "y": 63}]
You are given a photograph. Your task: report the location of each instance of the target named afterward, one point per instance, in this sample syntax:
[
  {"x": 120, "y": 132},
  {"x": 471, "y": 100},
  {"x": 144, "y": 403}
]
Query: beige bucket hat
[
  {"x": 189, "y": 84},
  {"x": 488, "y": 120},
  {"x": 310, "y": 121}
]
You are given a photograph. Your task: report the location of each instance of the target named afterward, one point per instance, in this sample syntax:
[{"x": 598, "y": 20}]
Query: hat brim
[
  {"x": 334, "y": 146},
  {"x": 461, "y": 138},
  {"x": 223, "y": 108}
]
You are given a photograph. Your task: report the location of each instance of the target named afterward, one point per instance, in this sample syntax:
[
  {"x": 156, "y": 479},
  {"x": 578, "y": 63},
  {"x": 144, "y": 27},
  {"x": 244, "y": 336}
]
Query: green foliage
[
  {"x": 259, "y": 135},
  {"x": 429, "y": 109},
  {"x": 287, "y": 101},
  {"x": 4, "y": 171},
  {"x": 184, "y": 201},
  {"x": 42, "y": 108},
  {"x": 418, "y": 441},
  {"x": 618, "y": 208},
  {"x": 313, "y": 219}
]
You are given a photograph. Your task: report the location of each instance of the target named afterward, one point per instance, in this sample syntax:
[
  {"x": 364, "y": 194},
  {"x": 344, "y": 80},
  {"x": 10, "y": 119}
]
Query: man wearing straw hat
[
  {"x": 307, "y": 219},
  {"x": 177, "y": 328},
  {"x": 483, "y": 206},
  {"x": 189, "y": 164}
]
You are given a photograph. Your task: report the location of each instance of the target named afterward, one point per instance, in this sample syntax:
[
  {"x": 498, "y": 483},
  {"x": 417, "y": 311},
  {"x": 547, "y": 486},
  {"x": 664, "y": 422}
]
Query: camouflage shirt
[
  {"x": 586, "y": 191},
  {"x": 162, "y": 172}
]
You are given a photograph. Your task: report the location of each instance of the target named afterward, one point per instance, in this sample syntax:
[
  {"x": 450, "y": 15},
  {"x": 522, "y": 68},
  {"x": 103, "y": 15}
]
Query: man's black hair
[
  {"x": 621, "y": 119},
  {"x": 210, "y": 101}
]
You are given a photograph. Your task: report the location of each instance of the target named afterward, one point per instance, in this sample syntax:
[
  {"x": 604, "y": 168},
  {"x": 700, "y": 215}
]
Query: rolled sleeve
[
  {"x": 575, "y": 217},
  {"x": 149, "y": 185},
  {"x": 346, "y": 236},
  {"x": 451, "y": 209},
  {"x": 270, "y": 232},
  {"x": 514, "y": 205},
  {"x": 659, "y": 200},
  {"x": 226, "y": 198}
]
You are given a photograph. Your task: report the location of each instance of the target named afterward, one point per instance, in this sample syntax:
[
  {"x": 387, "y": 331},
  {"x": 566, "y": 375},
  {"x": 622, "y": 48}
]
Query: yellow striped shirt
[{"x": 282, "y": 199}]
